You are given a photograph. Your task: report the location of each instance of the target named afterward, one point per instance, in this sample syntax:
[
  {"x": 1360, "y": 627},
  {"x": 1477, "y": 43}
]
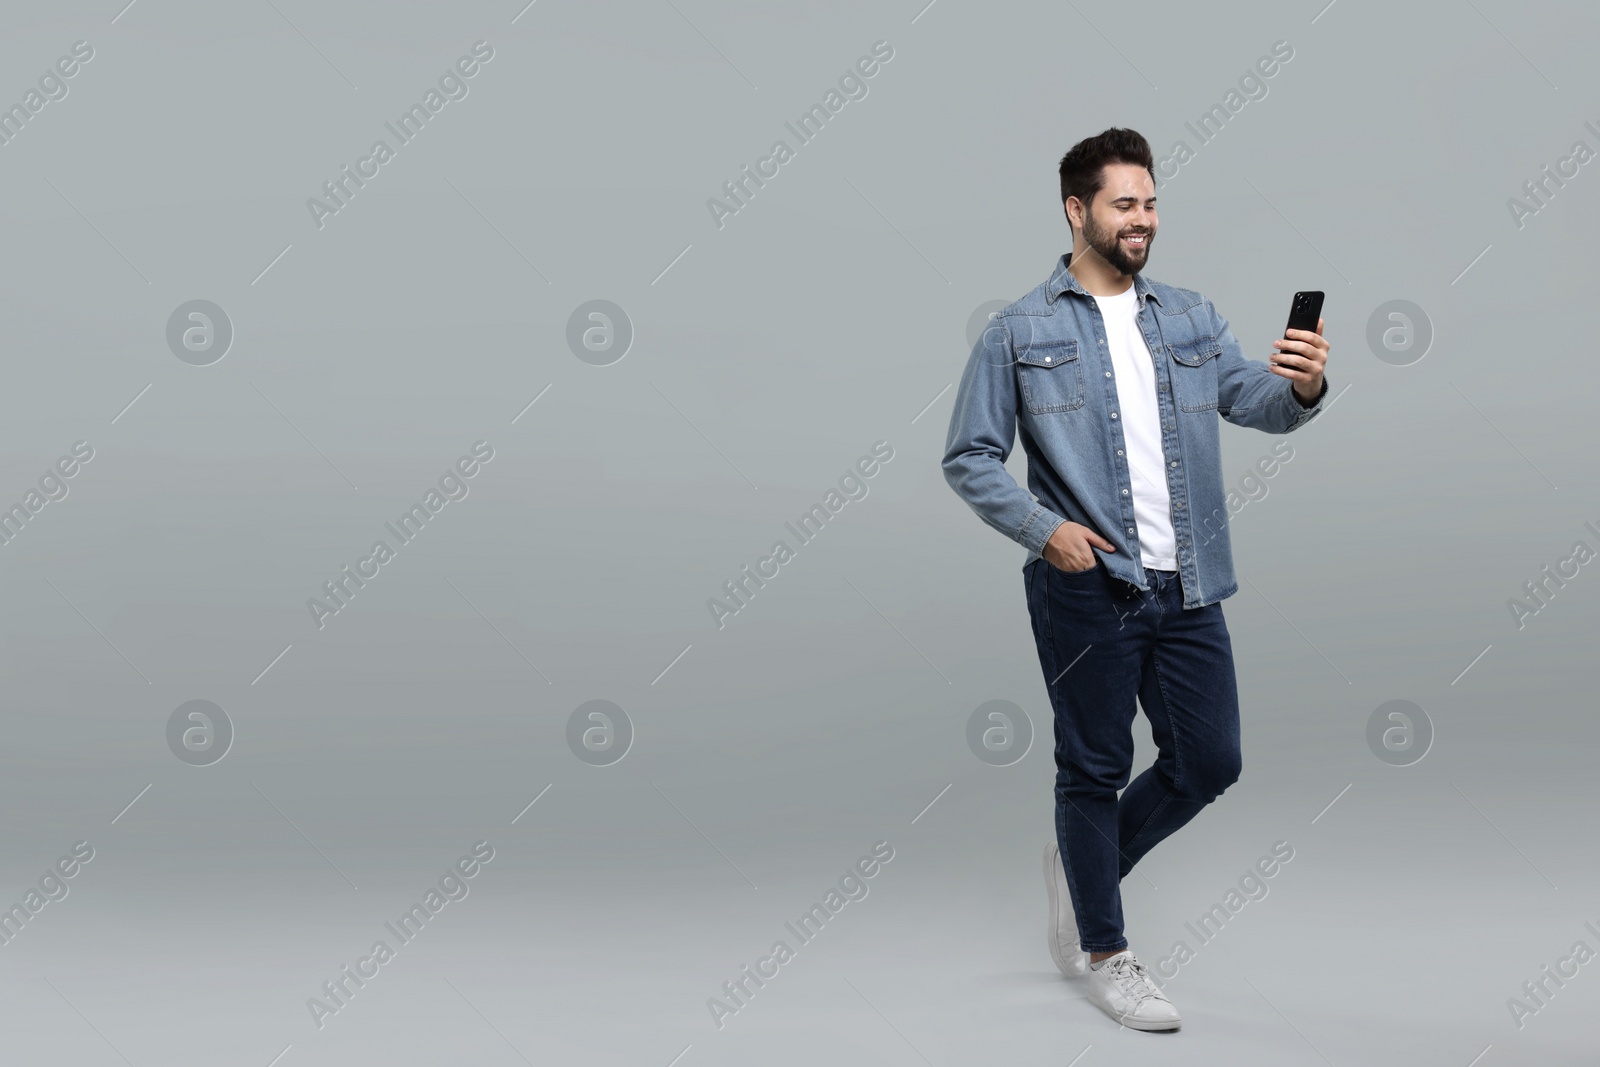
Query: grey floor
[{"x": 618, "y": 903}]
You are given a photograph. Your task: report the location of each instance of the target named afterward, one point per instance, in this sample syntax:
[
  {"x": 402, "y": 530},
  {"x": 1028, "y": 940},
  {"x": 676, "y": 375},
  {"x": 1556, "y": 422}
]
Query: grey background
[{"x": 768, "y": 356}]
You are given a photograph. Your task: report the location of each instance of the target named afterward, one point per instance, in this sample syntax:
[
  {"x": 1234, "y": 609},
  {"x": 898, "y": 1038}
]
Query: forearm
[
  {"x": 981, "y": 479},
  {"x": 1249, "y": 394},
  {"x": 1316, "y": 398},
  {"x": 1279, "y": 409},
  {"x": 983, "y": 427}
]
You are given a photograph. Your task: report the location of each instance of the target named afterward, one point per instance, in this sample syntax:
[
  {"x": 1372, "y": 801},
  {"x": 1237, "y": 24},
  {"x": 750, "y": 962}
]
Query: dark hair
[{"x": 1083, "y": 167}]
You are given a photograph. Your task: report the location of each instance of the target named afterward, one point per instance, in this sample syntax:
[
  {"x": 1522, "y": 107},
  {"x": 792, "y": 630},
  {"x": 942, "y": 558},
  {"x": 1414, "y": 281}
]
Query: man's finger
[
  {"x": 1290, "y": 355},
  {"x": 1313, "y": 340}
]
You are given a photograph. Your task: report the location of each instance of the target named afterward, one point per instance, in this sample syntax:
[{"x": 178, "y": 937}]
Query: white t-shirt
[{"x": 1141, "y": 429}]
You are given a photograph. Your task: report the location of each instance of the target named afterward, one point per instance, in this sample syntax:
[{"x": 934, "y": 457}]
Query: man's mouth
[{"x": 1137, "y": 240}]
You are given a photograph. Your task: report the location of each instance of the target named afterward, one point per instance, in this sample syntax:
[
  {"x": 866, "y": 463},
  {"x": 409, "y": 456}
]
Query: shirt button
[
  {"x": 1047, "y": 359},
  {"x": 1130, "y": 529},
  {"x": 1174, "y": 463},
  {"x": 1113, "y": 414},
  {"x": 1108, "y": 374},
  {"x": 1124, "y": 492}
]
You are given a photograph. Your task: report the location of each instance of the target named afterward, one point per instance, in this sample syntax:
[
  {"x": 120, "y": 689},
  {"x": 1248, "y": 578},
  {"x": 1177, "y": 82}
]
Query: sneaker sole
[
  {"x": 1147, "y": 1025},
  {"x": 1052, "y": 857},
  {"x": 1133, "y": 1023}
]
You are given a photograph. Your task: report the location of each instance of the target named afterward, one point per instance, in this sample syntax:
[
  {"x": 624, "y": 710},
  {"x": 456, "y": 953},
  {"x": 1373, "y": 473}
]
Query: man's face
[{"x": 1120, "y": 224}]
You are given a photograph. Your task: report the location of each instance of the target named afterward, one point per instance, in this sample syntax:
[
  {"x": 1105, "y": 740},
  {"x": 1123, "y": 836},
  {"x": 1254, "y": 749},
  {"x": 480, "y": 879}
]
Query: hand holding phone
[
  {"x": 1304, "y": 312},
  {"x": 1305, "y": 368}
]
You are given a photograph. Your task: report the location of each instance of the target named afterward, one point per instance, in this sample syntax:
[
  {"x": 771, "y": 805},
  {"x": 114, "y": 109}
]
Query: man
[{"x": 1116, "y": 383}]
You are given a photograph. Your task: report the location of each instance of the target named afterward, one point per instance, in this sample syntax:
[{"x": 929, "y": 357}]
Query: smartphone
[{"x": 1304, "y": 312}]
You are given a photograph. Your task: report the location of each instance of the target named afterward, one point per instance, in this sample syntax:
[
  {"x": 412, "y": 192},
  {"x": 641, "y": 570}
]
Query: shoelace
[{"x": 1133, "y": 980}]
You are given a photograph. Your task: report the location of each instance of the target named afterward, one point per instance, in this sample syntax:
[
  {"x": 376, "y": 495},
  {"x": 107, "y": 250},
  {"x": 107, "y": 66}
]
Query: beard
[{"x": 1108, "y": 246}]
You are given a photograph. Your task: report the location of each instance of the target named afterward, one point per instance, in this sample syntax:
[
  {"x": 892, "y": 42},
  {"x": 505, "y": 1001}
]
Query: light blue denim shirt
[{"x": 1042, "y": 368}]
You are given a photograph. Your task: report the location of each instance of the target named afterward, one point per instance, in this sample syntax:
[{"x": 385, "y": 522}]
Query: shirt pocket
[
  {"x": 1051, "y": 376},
  {"x": 1194, "y": 373}
]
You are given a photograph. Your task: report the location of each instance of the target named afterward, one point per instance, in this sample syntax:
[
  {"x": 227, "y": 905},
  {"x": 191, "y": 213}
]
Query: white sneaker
[
  {"x": 1120, "y": 987},
  {"x": 1062, "y": 927}
]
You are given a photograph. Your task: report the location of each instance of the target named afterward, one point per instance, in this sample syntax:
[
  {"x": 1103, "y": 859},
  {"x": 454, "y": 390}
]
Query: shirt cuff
[
  {"x": 1038, "y": 527},
  {"x": 1302, "y": 413}
]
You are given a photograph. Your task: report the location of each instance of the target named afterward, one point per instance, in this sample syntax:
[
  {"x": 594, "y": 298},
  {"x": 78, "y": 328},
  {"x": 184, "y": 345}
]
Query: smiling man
[{"x": 1116, "y": 384}]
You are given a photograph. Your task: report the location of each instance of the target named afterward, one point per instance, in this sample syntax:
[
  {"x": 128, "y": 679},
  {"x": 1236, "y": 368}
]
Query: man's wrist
[{"x": 1323, "y": 391}]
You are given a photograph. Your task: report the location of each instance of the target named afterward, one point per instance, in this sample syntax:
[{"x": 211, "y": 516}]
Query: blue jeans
[{"x": 1103, "y": 643}]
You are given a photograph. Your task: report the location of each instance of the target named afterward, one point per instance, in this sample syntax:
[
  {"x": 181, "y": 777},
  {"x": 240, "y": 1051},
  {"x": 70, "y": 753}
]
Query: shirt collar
[{"x": 1063, "y": 281}]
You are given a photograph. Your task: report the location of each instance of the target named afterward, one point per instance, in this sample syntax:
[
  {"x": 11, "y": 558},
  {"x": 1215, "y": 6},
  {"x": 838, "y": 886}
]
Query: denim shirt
[{"x": 1042, "y": 368}]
